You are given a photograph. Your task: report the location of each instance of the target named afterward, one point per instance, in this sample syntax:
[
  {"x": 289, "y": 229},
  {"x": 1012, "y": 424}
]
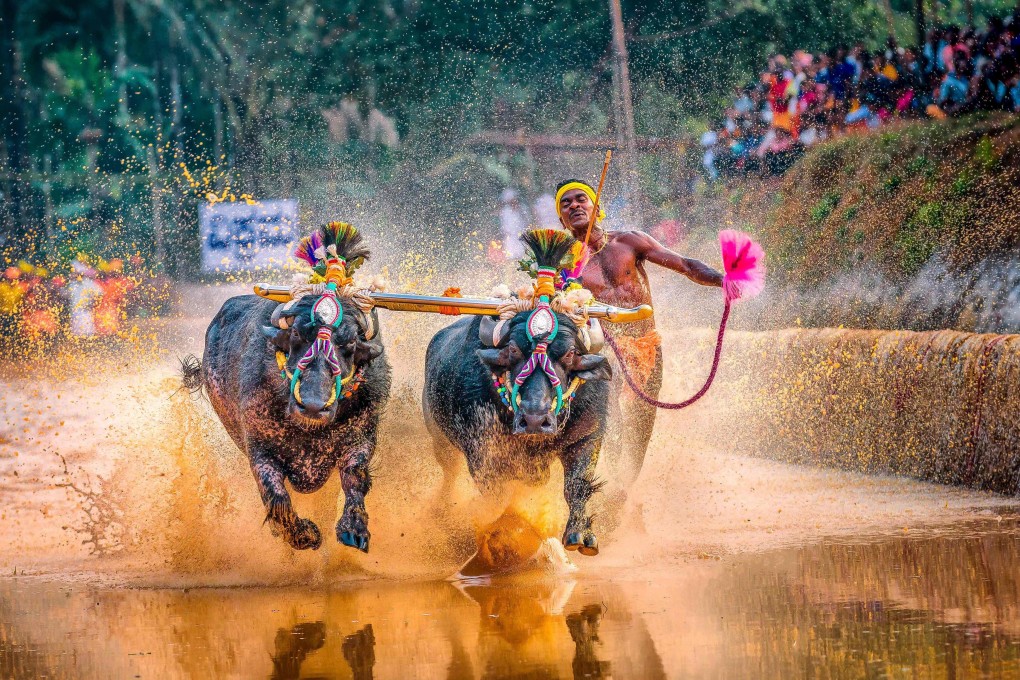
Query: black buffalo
[
  {"x": 299, "y": 435},
  {"x": 463, "y": 407}
]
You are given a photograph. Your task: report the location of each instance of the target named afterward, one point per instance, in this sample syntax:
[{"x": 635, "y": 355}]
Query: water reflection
[
  {"x": 359, "y": 652},
  {"x": 946, "y": 604},
  {"x": 292, "y": 646},
  {"x": 547, "y": 630}
]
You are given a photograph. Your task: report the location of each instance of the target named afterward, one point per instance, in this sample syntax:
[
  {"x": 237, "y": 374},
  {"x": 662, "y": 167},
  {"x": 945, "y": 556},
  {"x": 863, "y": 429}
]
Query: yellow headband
[{"x": 588, "y": 191}]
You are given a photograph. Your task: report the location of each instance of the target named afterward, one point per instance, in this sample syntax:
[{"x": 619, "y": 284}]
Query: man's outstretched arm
[{"x": 656, "y": 253}]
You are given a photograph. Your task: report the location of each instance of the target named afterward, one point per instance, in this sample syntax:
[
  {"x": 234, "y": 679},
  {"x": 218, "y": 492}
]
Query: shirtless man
[{"x": 615, "y": 274}]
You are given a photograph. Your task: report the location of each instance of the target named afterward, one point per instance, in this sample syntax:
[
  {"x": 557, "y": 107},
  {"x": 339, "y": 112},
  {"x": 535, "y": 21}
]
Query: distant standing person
[
  {"x": 615, "y": 273},
  {"x": 84, "y": 293},
  {"x": 512, "y": 221},
  {"x": 544, "y": 212}
]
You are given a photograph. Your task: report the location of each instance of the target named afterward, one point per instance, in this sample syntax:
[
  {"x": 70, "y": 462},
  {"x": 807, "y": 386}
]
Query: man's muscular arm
[{"x": 649, "y": 249}]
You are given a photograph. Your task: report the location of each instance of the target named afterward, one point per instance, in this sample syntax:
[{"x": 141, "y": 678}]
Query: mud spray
[
  {"x": 121, "y": 476},
  {"x": 122, "y": 473}
]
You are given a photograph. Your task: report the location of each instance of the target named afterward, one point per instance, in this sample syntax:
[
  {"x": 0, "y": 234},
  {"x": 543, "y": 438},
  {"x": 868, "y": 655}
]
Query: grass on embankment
[{"x": 896, "y": 197}]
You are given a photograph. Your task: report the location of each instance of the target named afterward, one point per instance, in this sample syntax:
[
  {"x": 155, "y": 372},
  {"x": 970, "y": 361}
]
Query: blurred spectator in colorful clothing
[
  {"x": 111, "y": 307},
  {"x": 42, "y": 316},
  {"x": 800, "y": 100},
  {"x": 83, "y": 293}
]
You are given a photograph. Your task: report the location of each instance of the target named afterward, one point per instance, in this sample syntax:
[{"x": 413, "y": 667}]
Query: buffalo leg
[
  {"x": 584, "y": 630},
  {"x": 451, "y": 460},
  {"x": 579, "y": 485},
  {"x": 356, "y": 479},
  {"x": 300, "y": 533}
]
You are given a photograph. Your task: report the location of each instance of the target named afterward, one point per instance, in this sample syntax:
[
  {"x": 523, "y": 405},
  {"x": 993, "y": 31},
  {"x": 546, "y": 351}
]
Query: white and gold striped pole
[{"x": 410, "y": 302}]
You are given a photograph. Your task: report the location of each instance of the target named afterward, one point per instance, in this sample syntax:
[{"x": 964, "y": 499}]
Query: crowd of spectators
[
  {"x": 801, "y": 100},
  {"x": 39, "y": 308}
]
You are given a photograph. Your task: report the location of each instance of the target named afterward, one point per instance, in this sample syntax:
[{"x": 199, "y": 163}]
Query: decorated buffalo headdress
[
  {"x": 334, "y": 251},
  {"x": 552, "y": 251}
]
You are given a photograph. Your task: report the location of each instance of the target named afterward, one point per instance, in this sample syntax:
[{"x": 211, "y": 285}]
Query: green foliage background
[{"x": 106, "y": 103}]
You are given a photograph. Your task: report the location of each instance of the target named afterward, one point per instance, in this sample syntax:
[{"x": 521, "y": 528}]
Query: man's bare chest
[{"x": 614, "y": 274}]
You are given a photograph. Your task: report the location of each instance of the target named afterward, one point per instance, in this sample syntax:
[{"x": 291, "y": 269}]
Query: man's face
[{"x": 576, "y": 210}]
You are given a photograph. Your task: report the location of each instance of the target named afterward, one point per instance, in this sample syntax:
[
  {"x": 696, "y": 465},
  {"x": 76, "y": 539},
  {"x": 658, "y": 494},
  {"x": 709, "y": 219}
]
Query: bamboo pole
[{"x": 598, "y": 196}]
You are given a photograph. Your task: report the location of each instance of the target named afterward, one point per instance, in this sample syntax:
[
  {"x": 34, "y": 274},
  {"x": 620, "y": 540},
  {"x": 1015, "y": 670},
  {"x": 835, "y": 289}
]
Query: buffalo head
[
  {"x": 537, "y": 411},
  {"x": 322, "y": 360}
]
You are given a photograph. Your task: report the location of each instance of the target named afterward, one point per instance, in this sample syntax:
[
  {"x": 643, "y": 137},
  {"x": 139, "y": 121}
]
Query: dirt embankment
[
  {"x": 939, "y": 405},
  {"x": 911, "y": 227}
]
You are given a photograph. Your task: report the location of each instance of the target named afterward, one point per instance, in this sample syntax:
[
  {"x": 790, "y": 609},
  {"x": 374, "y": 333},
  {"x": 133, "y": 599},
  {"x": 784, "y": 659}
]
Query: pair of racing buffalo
[{"x": 300, "y": 389}]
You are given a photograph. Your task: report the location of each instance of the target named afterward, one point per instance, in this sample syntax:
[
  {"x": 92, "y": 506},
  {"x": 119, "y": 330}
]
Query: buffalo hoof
[
  {"x": 305, "y": 536},
  {"x": 352, "y": 529},
  {"x": 354, "y": 540},
  {"x": 582, "y": 541},
  {"x": 572, "y": 541}
]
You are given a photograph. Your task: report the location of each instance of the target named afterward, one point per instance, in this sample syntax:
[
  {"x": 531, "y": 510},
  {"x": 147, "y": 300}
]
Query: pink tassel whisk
[{"x": 743, "y": 278}]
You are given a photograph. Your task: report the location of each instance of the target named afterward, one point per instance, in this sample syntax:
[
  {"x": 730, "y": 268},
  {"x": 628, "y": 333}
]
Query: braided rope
[
  {"x": 538, "y": 359},
  {"x": 323, "y": 345},
  {"x": 573, "y": 306},
  {"x": 299, "y": 290},
  {"x": 700, "y": 393},
  {"x": 360, "y": 296},
  {"x": 573, "y": 309},
  {"x": 510, "y": 307}
]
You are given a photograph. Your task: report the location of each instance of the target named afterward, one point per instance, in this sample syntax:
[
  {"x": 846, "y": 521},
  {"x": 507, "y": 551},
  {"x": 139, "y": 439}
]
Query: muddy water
[
  {"x": 943, "y": 603},
  {"x": 132, "y": 544}
]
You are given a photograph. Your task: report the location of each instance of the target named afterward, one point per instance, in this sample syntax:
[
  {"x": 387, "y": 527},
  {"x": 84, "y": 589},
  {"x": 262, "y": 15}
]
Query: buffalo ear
[
  {"x": 278, "y": 337},
  {"x": 494, "y": 358},
  {"x": 592, "y": 367},
  {"x": 366, "y": 351}
]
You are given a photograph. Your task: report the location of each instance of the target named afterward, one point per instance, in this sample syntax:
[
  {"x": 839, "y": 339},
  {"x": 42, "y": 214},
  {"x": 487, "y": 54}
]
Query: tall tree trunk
[
  {"x": 12, "y": 125},
  {"x": 154, "y": 159},
  {"x": 626, "y": 104},
  {"x": 47, "y": 187},
  {"x": 176, "y": 213},
  {"x": 120, "y": 66},
  {"x": 156, "y": 196},
  {"x": 217, "y": 110},
  {"x": 919, "y": 26}
]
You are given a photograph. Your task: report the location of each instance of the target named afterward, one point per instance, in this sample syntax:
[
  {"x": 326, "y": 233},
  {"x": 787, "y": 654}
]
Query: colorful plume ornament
[
  {"x": 334, "y": 251},
  {"x": 744, "y": 264},
  {"x": 552, "y": 251},
  {"x": 570, "y": 275}
]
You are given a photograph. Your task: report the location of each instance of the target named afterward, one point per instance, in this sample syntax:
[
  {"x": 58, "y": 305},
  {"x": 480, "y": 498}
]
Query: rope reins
[
  {"x": 504, "y": 387},
  {"x": 342, "y": 387},
  {"x": 632, "y": 383}
]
